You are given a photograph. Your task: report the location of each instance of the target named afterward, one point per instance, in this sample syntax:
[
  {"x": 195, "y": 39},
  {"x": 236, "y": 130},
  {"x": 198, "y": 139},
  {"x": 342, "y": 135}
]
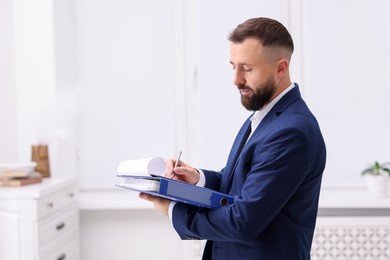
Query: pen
[{"x": 176, "y": 163}]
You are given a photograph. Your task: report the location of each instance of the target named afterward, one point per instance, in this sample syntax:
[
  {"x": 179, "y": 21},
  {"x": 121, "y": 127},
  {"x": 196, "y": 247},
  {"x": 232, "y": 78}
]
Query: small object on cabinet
[
  {"x": 40, "y": 155},
  {"x": 32, "y": 178}
]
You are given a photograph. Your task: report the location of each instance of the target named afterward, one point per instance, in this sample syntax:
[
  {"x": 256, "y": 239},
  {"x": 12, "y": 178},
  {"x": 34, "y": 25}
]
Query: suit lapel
[
  {"x": 238, "y": 144},
  {"x": 290, "y": 97},
  {"x": 245, "y": 130}
]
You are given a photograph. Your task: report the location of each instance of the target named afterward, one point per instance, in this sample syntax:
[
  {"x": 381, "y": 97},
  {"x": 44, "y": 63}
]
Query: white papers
[
  {"x": 141, "y": 184},
  {"x": 17, "y": 169},
  {"x": 17, "y": 166},
  {"x": 146, "y": 166}
]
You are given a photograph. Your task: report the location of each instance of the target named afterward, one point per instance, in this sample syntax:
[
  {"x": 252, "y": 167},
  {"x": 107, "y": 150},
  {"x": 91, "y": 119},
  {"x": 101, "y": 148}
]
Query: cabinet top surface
[
  {"x": 331, "y": 198},
  {"x": 352, "y": 198},
  {"x": 32, "y": 191}
]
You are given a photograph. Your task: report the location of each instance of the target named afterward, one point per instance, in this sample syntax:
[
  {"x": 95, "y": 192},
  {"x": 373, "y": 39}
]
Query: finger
[
  {"x": 169, "y": 165},
  {"x": 182, "y": 171},
  {"x": 167, "y": 174},
  {"x": 146, "y": 196},
  {"x": 187, "y": 174}
]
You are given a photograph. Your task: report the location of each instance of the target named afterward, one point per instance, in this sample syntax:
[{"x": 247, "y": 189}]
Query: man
[{"x": 274, "y": 167}]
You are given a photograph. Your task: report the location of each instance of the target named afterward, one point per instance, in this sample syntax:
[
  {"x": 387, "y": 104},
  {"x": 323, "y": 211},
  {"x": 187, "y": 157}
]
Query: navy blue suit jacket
[{"x": 276, "y": 177}]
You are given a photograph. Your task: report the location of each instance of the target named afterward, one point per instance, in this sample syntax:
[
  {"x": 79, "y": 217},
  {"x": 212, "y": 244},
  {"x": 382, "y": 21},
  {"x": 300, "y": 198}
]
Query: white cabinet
[{"x": 39, "y": 222}]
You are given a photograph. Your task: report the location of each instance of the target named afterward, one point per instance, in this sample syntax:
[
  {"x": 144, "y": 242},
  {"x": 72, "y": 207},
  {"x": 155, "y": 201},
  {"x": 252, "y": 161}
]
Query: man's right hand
[{"x": 183, "y": 172}]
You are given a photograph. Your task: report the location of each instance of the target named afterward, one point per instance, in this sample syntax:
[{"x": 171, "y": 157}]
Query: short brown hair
[{"x": 270, "y": 32}]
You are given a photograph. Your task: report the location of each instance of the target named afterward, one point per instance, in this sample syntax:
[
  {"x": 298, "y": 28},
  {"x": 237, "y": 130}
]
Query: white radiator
[{"x": 341, "y": 238}]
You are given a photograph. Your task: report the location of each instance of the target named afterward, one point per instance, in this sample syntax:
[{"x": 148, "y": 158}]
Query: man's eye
[{"x": 242, "y": 68}]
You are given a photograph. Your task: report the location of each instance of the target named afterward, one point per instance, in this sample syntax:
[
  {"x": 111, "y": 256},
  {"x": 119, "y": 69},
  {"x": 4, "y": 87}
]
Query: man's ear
[{"x": 282, "y": 66}]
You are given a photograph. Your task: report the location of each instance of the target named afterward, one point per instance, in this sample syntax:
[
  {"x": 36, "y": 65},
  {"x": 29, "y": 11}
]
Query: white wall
[
  {"x": 332, "y": 63},
  {"x": 342, "y": 74},
  {"x": 8, "y": 109},
  {"x": 216, "y": 113},
  {"x": 346, "y": 64},
  {"x": 126, "y": 74},
  {"x": 34, "y": 109}
]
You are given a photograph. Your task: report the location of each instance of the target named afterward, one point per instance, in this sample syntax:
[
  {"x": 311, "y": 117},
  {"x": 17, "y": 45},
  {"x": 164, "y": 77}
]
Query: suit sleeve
[
  {"x": 213, "y": 179},
  {"x": 274, "y": 170}
]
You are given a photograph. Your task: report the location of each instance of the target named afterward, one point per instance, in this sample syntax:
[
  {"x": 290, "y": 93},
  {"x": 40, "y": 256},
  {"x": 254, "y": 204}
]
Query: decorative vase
[
  {"x": 40, "y": 155},
  {"x": 378, "y": 185}
]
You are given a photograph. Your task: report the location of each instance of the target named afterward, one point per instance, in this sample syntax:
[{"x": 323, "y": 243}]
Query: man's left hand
[{"x": 159, "y": 203}]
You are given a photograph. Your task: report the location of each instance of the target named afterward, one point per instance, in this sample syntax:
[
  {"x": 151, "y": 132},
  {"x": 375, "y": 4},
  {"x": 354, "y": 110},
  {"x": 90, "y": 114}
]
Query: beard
[{"x": 261, "y": 95}]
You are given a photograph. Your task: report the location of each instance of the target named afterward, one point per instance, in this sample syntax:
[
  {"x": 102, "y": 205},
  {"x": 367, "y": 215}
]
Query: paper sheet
[{"x": 146, "y": 166}]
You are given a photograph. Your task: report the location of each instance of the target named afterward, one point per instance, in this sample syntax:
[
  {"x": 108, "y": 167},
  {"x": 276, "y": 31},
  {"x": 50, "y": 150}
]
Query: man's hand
[
  {"x": 159, "y": 203},
  {"x": 183, "y": 172}
]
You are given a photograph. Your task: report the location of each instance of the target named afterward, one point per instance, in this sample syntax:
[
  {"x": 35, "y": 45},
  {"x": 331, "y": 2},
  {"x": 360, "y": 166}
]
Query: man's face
[{"x": 253, "y": 74}]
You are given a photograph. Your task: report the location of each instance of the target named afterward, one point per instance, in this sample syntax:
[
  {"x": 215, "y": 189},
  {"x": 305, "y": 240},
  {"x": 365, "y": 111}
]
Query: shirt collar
[{"x": 260, "y": 114}]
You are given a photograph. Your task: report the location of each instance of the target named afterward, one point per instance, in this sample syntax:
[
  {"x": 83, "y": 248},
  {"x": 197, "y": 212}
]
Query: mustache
[{"x": 243, "y": 87}]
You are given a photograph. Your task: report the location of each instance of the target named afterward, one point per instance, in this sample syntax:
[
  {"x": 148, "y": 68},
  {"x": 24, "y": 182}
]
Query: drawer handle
[
  {"x": 62, "y": 257},
  {"x": 50, "y": 204},
  {"x": 71, "y": 194},
  {"x": 60, "y": 226}
]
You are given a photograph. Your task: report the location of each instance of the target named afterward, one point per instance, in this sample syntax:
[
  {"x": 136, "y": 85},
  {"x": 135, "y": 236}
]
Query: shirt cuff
[
  {"x": 170, "y": 210},
  {"x": 202, "y": 179}
]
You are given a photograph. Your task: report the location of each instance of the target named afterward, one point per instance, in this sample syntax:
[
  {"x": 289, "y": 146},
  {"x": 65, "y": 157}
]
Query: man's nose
[{"x": 238, "y": 78}]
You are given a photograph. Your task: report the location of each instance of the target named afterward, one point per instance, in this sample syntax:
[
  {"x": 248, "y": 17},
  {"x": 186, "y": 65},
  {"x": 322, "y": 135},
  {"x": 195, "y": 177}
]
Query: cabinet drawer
[
  {"x": 57, "y": 226},
  {"x": 55, "y": 201},
  {"x": 68, "y": 250}
]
